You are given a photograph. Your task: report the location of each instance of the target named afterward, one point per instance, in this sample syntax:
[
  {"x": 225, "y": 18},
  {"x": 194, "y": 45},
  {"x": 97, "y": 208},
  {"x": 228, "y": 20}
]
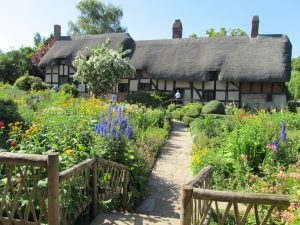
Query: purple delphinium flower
[
  {"x": 102, "y": 117},
  {"x": 123, "y": 123},
  {"x": 283, "y": 133},
  {"x": 113, "y": 98},
  {"x": 129, "y": 132},
  {"x": 118, "y": 134}
]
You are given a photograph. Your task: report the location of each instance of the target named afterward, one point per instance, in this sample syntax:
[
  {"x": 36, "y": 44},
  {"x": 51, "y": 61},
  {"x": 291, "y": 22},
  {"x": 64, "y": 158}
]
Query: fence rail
[
  {"x": 198, "y": 201},
  {"x": 34, "y": 192}
]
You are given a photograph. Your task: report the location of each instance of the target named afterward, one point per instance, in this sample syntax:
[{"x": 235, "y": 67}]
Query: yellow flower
[{"x": 69, "y": 153}]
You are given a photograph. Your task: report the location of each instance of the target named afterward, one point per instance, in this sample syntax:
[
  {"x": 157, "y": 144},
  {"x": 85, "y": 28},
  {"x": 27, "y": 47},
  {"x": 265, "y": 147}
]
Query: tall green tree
[
  {"x": 294, "y": 83},
  {"x": 225, "y": 32},
  {"x": 96, "y": 17},
  {"x": 103, "y": 70}
]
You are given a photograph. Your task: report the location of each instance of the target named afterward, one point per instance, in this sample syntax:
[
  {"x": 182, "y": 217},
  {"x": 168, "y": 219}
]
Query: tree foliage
[
  {"x": 104, "y": 68},
  {"x": 225, "y": 32},
  {"x": 294, "y": 83},
  {"x": 296, "y": 63},
  {"x": 96, "y": 17}
]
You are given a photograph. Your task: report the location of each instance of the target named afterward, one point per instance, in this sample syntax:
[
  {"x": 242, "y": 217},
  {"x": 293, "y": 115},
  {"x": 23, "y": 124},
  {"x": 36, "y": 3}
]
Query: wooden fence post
[
  {"x": 94, "y": 206},
  {"x": 125, "y": 185},
  {"x": 53, "y": 189},
  {"x": 186, "y": 205}
]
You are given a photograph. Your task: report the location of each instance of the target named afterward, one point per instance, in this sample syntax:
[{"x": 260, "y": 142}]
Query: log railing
[
  {"x": 34, "y": 192},
  {"x": 199, "y": 201}
]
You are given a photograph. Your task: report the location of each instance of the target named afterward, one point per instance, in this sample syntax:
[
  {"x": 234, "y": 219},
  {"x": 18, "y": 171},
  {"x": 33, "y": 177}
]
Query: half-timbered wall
[
  {"x": 263, "y": 94},
  {"x": 62, "y": 74}
]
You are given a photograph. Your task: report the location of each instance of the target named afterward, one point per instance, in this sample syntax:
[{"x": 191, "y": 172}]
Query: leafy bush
[
  {"x": 171, "y": 107},
  {"x": 24, "y": 83},
  {"x": 192, "y": 112},
  {"x": 178, "y": 114},
  {"x": 294, "y": 85},
  {"x": 39, "y": 86},
  {"x": 70, "y": 89},
  {"x": 148, "y": 98},
  {"x": 9, "y": 111},
  {"x": 292, "y": 105},
  {"x": 187, "y": 120},
  {"x": 214, "y": 107},
  {"x": 27, "y": 83}
]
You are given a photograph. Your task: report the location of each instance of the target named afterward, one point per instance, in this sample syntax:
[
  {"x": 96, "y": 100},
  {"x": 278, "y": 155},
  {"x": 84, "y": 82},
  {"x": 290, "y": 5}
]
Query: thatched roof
[
  {"x": 265, "y": 58},
  {"x": 68, "y": 47}
]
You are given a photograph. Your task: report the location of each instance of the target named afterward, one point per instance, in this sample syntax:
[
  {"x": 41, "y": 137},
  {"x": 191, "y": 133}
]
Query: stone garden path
[{"x": 171, "y": 171}]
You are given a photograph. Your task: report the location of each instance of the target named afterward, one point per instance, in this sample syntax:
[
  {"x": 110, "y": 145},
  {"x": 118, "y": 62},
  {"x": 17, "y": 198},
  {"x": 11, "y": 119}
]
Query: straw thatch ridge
[
  {"x": 68, "y": 47},
  {"x": 266, "y": 58}
]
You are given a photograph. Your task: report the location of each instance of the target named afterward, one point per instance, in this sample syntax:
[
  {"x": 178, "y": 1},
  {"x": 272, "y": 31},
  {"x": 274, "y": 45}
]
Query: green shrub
[
  {"x": 192, "y": 105},
  {"x": 187, "y": 120},
  {"x": 9, "y": 111},
  {"x": 214, "y": 107},
  {"x": 292, "y": 106},
  {"x": 24, "y": 83},
  {"x": 171, "y": 107},
  {"x": 151, "y": 98},
  {"x": 70, "y": 89},
  {"x": 192, "y": 112},
  {"x": 178, "y": 114},
  {"x": 27, "y": 83},
  {"x": 39, "y": 86}
]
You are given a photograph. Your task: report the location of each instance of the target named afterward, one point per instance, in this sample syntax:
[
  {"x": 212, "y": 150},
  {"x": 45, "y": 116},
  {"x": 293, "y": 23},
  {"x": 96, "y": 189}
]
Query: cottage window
[
  {"x": 269, "y": 98},
  {"x": 123, "y": 87},
  {"x": 144, "y": 86},
  {"x": 63, "y": 79},
  {"x": 213, "y": 75},
  {"x": 208, "y": 95}
]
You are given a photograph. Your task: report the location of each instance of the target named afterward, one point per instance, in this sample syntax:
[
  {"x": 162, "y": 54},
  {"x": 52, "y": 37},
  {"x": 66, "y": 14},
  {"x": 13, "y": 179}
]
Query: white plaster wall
[
  {"x": 182, "y": 84},
  {"x": 161, "y": 85},
  {"x": 221, "y": 85},
  {"x": 72, "y": 70},
  {"x": 209, "y": 85},
  {"x": 197, "y": 84},
  {"x": 195, "y": 95},
  {"x": 231, "y": 86},
  {"x": 81, "y": 87},
  {"x": 66, "y": 70},
  {"x": 187, "y": 94},
  {"x": 48, "y": 69},
  {"x": 55, "y": 78},
  {"x": 233, "y": 95},
  {"x": 133, "y": 85},
  {"x": 48, "y": 78},
  {"x": 169, "y": 85},
  {"x": 61, "y": 70},
  {"x": 122, "y": 81},
  {"x": 146, "y": 81},
  {"x": 259, "y": 101},
  {"x": 220, "y": 95},
  {"x": 55, "y": 69}
]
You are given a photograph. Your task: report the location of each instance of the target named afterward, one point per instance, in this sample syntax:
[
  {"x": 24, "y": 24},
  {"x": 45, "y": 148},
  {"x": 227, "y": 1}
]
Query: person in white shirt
[{"x": 177, "y": 96}]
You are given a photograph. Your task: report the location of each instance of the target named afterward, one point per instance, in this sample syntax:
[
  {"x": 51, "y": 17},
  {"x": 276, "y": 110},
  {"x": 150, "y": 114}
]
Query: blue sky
[{"x": 152, "y": 19}]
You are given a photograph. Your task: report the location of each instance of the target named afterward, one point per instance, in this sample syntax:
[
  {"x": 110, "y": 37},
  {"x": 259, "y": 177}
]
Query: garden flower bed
[
  {"x": 77, "y": 129},
  {"x": 252, "y": 152}
]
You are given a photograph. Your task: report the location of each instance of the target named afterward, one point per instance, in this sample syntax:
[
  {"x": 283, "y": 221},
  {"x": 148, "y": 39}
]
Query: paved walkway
[{"x": 172, "y": 170}]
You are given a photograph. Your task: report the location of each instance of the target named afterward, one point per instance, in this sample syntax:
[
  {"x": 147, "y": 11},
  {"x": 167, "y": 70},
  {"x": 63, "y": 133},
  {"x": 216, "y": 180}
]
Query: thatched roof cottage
[{"x": 249, "y": 70}]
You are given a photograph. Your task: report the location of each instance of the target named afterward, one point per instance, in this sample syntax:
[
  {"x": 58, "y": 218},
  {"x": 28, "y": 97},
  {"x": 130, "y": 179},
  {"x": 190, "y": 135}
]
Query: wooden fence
[
  {"x": 198, "y": 202},
  {"x": 34, "y": 192}
]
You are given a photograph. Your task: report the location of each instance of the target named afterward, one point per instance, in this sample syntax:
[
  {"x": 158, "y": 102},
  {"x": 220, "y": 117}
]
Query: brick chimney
[
  {"x": 57, "y": 31},
  {"x": 177, "y": 29},
  {"x": 255, "y": 24}
]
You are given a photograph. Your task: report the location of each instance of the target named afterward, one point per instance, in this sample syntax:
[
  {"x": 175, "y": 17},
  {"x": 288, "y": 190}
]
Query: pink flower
[
  {"x": 281, "y": 175},
  {"x": 1, "y": 124},
  {"x": 13, "y": 143}
]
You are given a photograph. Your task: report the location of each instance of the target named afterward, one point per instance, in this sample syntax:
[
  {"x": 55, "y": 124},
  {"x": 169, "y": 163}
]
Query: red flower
[
  {"x": 1, "y": 124},
  {"x": 13, "y": 143}
]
